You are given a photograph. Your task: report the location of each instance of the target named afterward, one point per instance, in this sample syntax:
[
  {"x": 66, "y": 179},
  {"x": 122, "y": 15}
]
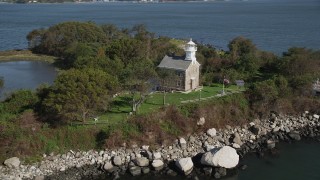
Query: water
[
  {"x": 273, "y": 25},
  {"x": 25, "y": 74},
  {"x": 296, "y": 161}
]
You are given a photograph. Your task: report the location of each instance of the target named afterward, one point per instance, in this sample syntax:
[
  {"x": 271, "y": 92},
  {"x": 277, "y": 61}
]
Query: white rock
[
  {"x": 185, "y": 165},
  {"x": 13, "y": 162},
  {"x": 201, "y": 121},
  {"x": 156, "y": 155},
  {"x": 157, "y": 164},
  {"x": 183, "y": 143},
  {"x": 145, "y": 147},
  {"x": 117, "y": 160},
  {"x": 235, "y": 145},
  {"x": 142, "y": 161},
  {"x": 108, "y": 166},
  {"x": 226, "y": 157},
  {"x": 251, "y": 124},
  {"x": 212, "y": 132},
  {"x": 316, "y": 116},
  {"x": 62, "y": 169},
  {"x": 253, "y": 137}
]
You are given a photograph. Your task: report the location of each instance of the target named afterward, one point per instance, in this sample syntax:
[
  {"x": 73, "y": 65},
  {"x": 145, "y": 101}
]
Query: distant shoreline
[
  {"x": 25, "y": 55},
  {"x": 139, "y": 2}
]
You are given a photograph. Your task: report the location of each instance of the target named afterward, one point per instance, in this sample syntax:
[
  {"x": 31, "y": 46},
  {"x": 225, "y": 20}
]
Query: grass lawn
[
  {"x": 121, "y": 106},
  {"x": 18, "y": 55}
]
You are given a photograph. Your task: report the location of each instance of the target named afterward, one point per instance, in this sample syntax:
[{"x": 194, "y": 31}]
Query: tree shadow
[{"x": 101, "y": 139}]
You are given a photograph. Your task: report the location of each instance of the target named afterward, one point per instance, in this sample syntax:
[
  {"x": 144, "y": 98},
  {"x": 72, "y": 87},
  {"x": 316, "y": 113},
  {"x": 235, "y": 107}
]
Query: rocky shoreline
[{"x": 213, "y": 153}]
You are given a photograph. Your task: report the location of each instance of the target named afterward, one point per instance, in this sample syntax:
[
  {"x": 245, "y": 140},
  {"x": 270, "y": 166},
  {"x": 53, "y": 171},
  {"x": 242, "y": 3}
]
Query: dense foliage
[{"x": 79, "y": 94}]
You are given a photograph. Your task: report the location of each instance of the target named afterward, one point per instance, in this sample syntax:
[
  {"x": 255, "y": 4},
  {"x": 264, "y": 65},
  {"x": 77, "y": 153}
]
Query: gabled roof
[{"x": 176, "y": 62}]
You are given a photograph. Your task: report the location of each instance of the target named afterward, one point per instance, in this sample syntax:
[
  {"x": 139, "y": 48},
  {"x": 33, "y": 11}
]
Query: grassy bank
[
  {"x": 26, "y": 55},
  {"x": 28, "y": 138}
]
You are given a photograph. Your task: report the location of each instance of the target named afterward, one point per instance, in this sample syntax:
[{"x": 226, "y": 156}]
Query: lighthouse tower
[{"x": 190, "y": 49}]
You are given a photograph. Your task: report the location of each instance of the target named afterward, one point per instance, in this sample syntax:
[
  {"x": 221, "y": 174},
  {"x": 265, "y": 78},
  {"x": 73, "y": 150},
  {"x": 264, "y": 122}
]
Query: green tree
[
  {"x": 80, "y": 94},
  {"x": 136, "y": 79},
  {"x": 241, "y": 46},
  {"x": 19, "y": 101},
  {"x": 56, "y": 39},
  {"x": 300, "y": 67}
]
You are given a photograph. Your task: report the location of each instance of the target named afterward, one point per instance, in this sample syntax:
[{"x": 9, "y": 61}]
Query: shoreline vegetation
[
  {"x": 257, "y": 136},
  {"x": 24, "y": 55},
  {"x": 108, "y": 69}
]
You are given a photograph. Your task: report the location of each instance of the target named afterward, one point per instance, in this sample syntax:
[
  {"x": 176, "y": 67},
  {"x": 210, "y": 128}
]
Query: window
[{"x": 179, "y": 82}]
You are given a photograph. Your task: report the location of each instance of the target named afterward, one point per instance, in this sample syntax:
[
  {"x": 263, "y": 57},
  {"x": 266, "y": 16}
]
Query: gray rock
[
  {"x": 145, "y": 170},
  {"x": 276, "y": 129},
  {"x": 271, "y": 144},
  {"x": 222, "y": 171},
  {"x": 185, "y": 165},
  {"x": 217, "y": 175},
  {"x": 135, "y": 170},
  {"x": 171, "y": 173},
  {"x": 142, "y": 161},
  {"x": 295, "y": 136},
  {"x": 117, "y": 160},
  {"x": 39, "y": 178},
  {"x": 157, "y": 164},
  {"x": 13, "y": 162},
  {"x": 212, "y": 132},
  {"x": 237, "y": 139},
  {"x": 192, "y": 139},
  {"x": 207, "y": 171}
]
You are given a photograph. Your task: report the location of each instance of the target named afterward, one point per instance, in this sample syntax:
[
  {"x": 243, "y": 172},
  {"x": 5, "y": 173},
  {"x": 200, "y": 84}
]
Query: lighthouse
[
  {"x": 186, "y": 70},
  {"x": 190, "y": 49}
]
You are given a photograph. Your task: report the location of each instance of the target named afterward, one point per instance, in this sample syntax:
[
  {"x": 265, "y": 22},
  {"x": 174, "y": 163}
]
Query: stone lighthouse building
[{"x": 186, "y": 69}]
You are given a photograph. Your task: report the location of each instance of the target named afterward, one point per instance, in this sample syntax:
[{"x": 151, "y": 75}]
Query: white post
[{"x": 223, "y": 87}]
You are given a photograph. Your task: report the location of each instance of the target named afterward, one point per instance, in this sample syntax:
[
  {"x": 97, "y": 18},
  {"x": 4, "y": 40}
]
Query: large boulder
[
  {"x": 226, "y": 157},
  {"x": 185, "y": 165},
  {"x": 13, "y": 162}
]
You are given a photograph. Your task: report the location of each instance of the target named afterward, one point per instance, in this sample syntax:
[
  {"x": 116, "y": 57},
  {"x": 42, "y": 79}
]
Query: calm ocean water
[{"x": 273, "y": 25}]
